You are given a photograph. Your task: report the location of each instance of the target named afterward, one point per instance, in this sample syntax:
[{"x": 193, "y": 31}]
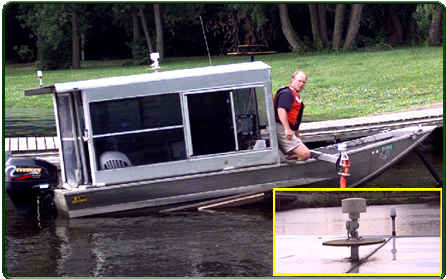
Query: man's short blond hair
[{"x": 298, "y": 73}]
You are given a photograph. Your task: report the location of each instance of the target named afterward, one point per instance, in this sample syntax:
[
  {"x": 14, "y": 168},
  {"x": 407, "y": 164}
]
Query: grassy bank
[{"x": 340, "y": 85}]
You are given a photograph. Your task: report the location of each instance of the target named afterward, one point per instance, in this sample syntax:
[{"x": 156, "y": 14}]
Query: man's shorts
[{"x": 285, "y": 144}]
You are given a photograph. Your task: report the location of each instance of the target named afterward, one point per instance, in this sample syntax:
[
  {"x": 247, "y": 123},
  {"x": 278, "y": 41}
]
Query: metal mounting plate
[{"x": 348, "y": 243}]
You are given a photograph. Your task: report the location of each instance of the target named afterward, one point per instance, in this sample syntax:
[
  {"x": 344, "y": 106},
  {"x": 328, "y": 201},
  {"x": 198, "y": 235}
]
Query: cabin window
[
  {"x": 137, "y": 131},
  {"x": 227, "y": 121}
]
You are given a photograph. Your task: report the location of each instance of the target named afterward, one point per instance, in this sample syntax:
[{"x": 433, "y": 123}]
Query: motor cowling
[{"x": 26, "y": 180}]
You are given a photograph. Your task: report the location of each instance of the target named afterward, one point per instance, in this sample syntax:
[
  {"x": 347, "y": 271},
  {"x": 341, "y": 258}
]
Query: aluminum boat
[{"x": 162, "y": 139}]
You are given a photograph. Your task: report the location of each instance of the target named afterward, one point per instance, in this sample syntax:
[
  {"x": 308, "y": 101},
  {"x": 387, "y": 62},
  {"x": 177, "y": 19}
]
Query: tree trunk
[
  {"x": 394, "y": 25},
  {"x": 246, "y": 26},
  {"x": 436, "y": 27},
  {"x": 338, "y": 26},
  {"x": 145, "y": 29},
  {"x": 76, "y": 42},
  {"x": 288, "y": 30},
  {"x": 39, "y": 48},
  {"x": 322, "y": 8},
  {"x": 314, "y": 17},
  {"x": 411, "y": 30},
  {"x": 135, "y": 25},
  {"x": 353, "y": 26},
  {"x": 159, "y": 30}
]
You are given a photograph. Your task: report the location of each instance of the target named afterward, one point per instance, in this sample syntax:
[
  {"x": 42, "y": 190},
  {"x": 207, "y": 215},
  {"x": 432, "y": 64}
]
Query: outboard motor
[{"x": 27, "y": 180}]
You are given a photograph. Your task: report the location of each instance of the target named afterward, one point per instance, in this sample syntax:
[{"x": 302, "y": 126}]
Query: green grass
[{"x": 340, "y": 85}]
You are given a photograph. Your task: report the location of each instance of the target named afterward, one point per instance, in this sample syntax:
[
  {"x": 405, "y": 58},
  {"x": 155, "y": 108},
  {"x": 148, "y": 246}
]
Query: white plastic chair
[{"x": 113, "y": 160}]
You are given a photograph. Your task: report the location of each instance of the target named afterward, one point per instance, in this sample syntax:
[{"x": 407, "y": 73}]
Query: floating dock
[
  {"x": 329, "y": 131},
  {"x": 344, "y": 129},
  {"x": 31, "y": 144}
]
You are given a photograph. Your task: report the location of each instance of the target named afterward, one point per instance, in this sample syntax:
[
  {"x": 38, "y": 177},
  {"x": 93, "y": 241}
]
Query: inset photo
[{"x": 328, "y": 232}]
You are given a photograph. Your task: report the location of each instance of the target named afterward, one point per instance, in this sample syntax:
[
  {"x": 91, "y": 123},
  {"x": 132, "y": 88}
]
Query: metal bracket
[{"x": 324, "y": 157}]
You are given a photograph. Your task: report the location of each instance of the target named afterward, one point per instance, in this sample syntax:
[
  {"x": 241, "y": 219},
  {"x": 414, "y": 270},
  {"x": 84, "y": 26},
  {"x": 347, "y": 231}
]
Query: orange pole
[
  {"x": 342, "y": 182},
  {"x": 345, "y": 172}
]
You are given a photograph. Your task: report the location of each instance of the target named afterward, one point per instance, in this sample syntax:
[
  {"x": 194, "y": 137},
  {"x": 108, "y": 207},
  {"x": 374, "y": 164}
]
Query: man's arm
[
  {"x": 297, "y": 133},
  {"x": 283, "y": 117}
]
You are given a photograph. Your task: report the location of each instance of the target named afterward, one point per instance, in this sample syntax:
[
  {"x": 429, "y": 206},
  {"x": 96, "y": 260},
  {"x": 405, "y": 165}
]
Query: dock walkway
[
  {"x": 331, "y": 130},
  {"x": 31, "y": 144},
  {"x": 344, "y": 129}
]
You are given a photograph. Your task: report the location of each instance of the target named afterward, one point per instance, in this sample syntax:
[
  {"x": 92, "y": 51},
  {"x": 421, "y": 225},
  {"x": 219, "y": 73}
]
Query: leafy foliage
[
  {"x": 139, "y": 53},
  {"x": 423, "y": 16},
  {"x": 25, "y": 53},
  {"x": 51, "y": 24},
  {"x": 232, "y": 25},
  {"x": 226, "y": 26}
]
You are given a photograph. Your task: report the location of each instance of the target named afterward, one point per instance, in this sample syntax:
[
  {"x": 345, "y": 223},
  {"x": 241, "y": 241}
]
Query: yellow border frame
[{"x": 357, "y": 190}]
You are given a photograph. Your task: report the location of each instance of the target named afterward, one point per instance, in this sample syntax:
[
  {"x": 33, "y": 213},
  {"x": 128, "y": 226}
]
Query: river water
[
  {"x": 229, "y": 243},
  {"x": 31, "y": 121},
  {"x": 191, "y": 244}
]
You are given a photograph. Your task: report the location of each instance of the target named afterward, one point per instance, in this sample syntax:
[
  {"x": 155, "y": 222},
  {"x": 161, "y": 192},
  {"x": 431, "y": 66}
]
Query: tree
[
  {"x": 246, "y": 29},
  {"x": 57, "y": 28},
  {"x": 159, "y": 30},
  {"x": 435, "y": 28},
  {"x": 296, "y": 43},
  {"x": 393, "y": 24},
  {"x": 126, "y": 17},
  {"x": 412, "y": 27},
  {"x": 237, "y": 24},
  {"x": 182, "y": 27},
  {"x": 145, "y": 28},
  {"x": 314, "y": 17},
  {"x": 135, "y": 25},
  {"x": 75, "y": 38},
  {"x": 338, "y": 26},
  {"x": 353, "y": 26},
  {"x": 322, "y": 9},
  {"x": 50, "y": 23},
  {"x": 19, "y": 47}
]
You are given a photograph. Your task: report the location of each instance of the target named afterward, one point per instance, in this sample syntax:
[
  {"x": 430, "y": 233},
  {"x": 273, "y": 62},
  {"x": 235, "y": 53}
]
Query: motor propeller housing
[{"x": 27, "y": 180}]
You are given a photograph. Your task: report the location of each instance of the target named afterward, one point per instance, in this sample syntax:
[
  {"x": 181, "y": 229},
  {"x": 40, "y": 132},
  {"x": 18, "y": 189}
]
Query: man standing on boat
[{"x": 288, "y": 107}]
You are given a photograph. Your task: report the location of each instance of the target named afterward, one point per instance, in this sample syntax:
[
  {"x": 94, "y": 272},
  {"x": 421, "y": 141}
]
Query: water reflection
[
  {"x": 191, "y": 244},
  {"x": 29, "y": 122},
  {"x": 394, "y": 248}
]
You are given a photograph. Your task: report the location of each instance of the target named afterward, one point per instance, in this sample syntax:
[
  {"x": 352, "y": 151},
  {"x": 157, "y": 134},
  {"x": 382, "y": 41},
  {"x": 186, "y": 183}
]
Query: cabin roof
[{"x": 149, "y": 77}]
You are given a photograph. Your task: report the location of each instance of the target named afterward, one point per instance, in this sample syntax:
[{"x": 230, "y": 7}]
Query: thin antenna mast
[{"x": 206, "y": 41}]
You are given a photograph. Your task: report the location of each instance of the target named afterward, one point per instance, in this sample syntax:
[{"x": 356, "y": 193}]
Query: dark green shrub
[
  {"x": 52, "y": 58},
  {"x": 140, "y": 53},
  {"x": 24, "y": 53}
]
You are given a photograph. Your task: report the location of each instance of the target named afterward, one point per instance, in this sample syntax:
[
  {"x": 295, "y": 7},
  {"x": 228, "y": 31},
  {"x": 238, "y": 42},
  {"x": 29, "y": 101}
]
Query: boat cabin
[{"x": 164, "y": 124}]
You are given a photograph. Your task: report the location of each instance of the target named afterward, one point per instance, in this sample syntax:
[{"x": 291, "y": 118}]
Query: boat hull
[{"x": 368, "y": 159}]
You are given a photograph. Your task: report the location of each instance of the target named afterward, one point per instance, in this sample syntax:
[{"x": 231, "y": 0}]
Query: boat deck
[{"x": 331, "y": 130}]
